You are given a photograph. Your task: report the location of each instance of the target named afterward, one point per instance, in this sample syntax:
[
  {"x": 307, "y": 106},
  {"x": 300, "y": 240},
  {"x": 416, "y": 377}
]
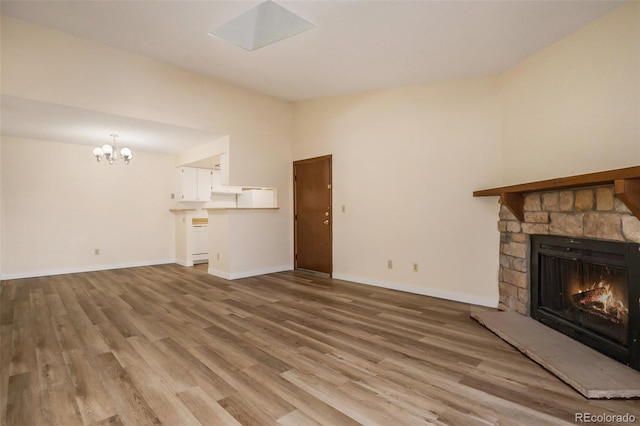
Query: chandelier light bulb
[
  {"x": 126, "y": 154},
  {"x": 108, "y": 149},
  {"x": 98, "y": 152}
]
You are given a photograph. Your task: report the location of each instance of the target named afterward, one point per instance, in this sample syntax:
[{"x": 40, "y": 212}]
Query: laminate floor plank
[
  {"x": 176, "y": 378},
  {"x": 63, "y": 407},
  {"x": 242, "y": 412},
  {"x": 117, "y": 345},
  {"x": 148, "y": 325},
  {"x": 165, "y": 404},
  {"x": 6, "y": 348},
  {"x": 206, "y": 409},
  {"x": 307, "y": 406},
  {"x": 172, "y": 345},
  {"x": 23, "y": 351},
  {"x": 6, "y": 306},
  {"x": 297, "y": 418},
  {"x": 296, "y": 358},
  {"x": 91, "y": 396},
  {"x": 201, "y": 375},
  {"x": 20, "y": 400},
  {"x": 285, "y": 335},
  {"x": 54, "y": 302},
  {"x": 338, "y": 398},
  {"x": 131, "y": 405}
]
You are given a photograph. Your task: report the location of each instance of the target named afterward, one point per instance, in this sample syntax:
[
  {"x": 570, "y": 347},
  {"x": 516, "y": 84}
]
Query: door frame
[{"x": 295, "y": 209}]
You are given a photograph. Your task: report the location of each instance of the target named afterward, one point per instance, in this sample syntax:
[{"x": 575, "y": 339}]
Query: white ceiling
[{"x": 356, "y": 45}]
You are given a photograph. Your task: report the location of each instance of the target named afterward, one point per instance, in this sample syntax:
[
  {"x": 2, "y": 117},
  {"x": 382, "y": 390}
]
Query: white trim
[
  {"x": 433, "y": 292},
  {"x": 218, "y": 273},
  {"x": 92, "y": 268},
  {"x": 184, "y": 262},
  {"x": 247, "y": 274},
  {"x": 441, "y": 294}
]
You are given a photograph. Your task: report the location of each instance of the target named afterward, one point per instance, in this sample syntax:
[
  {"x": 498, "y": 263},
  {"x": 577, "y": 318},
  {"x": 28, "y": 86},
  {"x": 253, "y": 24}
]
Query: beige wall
[
  {"x": 59, "y": 205},
  {"x": 45, "y": 65},
  {"x": 574, "y": 107},
  {"x": 405, "y": 163},
  {"x": 1, "y": 205}
]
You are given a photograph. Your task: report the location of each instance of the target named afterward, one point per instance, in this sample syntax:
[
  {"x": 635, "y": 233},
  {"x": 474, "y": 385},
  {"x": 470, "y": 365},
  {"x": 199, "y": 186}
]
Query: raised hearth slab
[{"x": 589, "y": 372}]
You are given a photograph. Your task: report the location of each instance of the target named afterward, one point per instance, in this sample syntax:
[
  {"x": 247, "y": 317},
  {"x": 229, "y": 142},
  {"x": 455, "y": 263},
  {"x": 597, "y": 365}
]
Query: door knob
[{"x": 326, "y": 221}]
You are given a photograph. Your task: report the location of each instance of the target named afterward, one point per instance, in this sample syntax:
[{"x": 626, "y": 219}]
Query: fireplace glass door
[{"x": 590, "y": 295}]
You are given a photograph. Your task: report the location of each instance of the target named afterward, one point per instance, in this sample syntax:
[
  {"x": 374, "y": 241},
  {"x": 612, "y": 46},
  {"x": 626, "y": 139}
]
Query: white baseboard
[
  {"x": 184, "y": 262},
  {"x": 433, "y": 292},
  {"x": 441, "y": 294},
  {"x": 219, "y": 274},
  {"x": 247, "y": 274},
  {"x": 92, "y": 268}
]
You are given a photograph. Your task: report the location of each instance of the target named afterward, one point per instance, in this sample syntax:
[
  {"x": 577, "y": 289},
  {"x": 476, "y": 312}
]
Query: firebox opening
[
  {"x": 585, "y": 289},
  {"x": 593, "y": 296}
]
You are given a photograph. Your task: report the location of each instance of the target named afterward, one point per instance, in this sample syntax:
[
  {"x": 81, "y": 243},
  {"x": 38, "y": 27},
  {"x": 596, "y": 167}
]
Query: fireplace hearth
[{"x": 589, "y": 290}]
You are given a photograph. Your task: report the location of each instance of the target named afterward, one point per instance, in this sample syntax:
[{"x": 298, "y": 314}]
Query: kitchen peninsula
[{"x": 237, "y": 219}]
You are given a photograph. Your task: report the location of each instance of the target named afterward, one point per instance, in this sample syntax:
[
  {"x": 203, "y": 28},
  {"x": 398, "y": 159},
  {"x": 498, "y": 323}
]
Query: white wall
[
  {"x": 57, "y": 68},
  {"x": 183, "y": 237},
  {"x": 1, "y": 205},
  {"x": 59, "y": 204},
  {"x": 574, "y": 107},
  {"x": 241, "y": 243},
  {"x": 405, "y": 164}
]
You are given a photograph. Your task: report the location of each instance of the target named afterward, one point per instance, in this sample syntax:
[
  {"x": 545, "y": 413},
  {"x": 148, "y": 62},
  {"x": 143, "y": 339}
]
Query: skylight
[{"x": 265, "y": 24}]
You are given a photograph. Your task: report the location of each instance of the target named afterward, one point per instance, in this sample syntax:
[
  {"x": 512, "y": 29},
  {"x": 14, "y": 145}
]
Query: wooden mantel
[{"x": 626, "y": 184}]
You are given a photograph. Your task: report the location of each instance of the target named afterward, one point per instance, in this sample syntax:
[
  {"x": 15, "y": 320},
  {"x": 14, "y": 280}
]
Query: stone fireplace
[
  {"x": 593, "y": 213},
  {"x": 570, "y": 259}
]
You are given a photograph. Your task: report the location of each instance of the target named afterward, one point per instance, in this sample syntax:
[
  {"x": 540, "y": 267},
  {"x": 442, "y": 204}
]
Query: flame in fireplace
[{"x": 600, "y": 298}]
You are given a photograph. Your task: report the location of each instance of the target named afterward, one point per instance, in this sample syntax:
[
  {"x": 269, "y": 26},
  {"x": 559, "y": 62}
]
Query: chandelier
[{"x": 110, "y": 152}]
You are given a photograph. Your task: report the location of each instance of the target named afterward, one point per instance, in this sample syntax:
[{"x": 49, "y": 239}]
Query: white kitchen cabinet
[
  {"x": 194, "y": 184},
  {"x": 204, "y": 184}
]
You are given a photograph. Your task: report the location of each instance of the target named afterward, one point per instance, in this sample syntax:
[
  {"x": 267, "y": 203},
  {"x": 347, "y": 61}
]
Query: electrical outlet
[
  {"x": 344, "y": 208},
  {"x": 415, "y": 267},
  {"x": 96, "y": 252},
  {"x": 389, "y": 264},
  {"x": 173, "y": 196},
  {"x": 217, "y": 256}
]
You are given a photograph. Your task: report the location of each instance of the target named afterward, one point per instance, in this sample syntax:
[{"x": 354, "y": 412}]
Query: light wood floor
[{"x": 176, "y": 346}]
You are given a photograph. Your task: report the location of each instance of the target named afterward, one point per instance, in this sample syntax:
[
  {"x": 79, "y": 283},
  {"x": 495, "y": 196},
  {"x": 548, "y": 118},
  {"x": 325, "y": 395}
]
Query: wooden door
[{"x": 313, "y": 221}]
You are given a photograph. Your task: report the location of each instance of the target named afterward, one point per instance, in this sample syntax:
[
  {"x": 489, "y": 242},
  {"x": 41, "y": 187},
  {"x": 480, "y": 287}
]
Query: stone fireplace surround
[
  {"x": 586, "y": 212},
  {"x": 601, "y": 206}
]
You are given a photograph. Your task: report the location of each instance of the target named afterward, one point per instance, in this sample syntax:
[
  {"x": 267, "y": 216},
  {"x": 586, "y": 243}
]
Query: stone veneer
[{"x": 593, "y": 212}]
